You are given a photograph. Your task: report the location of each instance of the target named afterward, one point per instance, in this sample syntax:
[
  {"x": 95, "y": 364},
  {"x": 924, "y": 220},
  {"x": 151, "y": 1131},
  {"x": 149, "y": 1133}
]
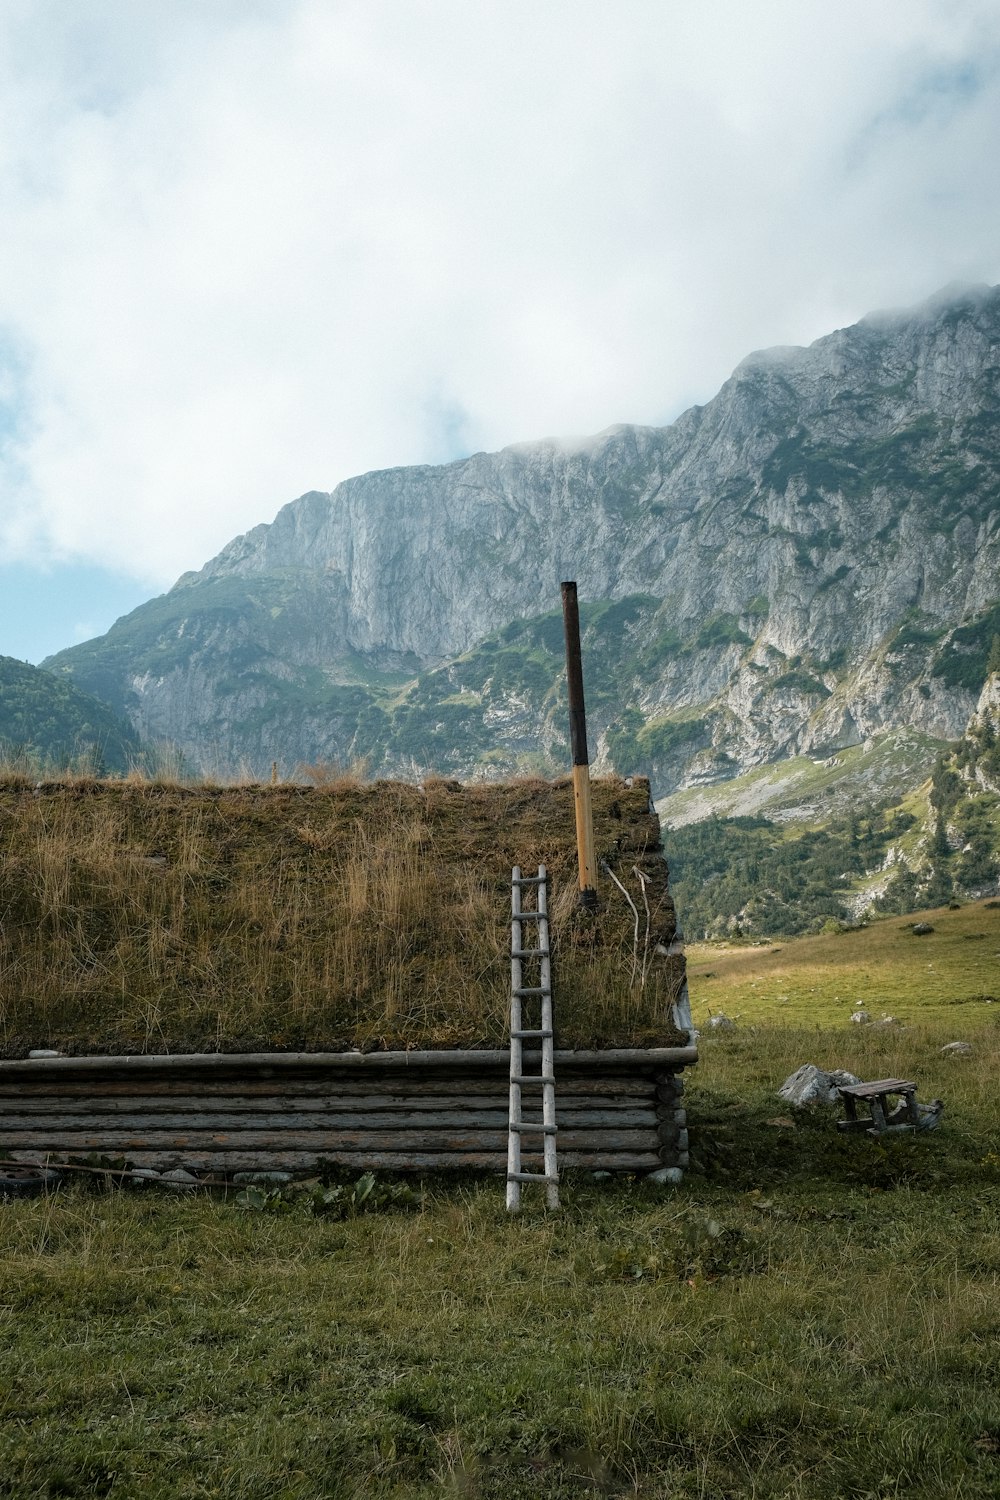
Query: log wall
[{"x": 617, "y": 1110}]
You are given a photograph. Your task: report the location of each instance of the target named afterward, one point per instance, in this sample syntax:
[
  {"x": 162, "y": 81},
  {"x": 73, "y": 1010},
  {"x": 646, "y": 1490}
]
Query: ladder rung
[
  {"x": 528, "y": 952},
  {"x": 519, "y": 916},
  {"x": 529, "y": 1177},
  {"x": 522, "y": 1127},
  {"x": 532, "y": 989},
  {"x": 534, "y": 1078},
  {"x": 522, "y": 1036},
  {"x": 530, "y": 880}
]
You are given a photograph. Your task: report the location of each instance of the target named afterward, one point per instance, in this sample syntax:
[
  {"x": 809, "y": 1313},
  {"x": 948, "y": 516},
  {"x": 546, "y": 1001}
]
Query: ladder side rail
[
  {"x": 516, "y": 1068},
  {"x": 551, "y": 1167}
]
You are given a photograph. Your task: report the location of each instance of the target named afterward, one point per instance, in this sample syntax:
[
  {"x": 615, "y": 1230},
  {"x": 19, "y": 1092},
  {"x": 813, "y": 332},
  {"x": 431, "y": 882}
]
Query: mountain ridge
[{"x": 807, "y": 561}]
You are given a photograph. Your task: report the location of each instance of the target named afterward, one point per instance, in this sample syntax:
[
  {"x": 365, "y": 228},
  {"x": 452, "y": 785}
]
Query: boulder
[
  {"x": 720, "y": 1023},
  {"x": 665, "y": 1176},
  {"x": 861, "y": 1017},
  {"x": 957, "y": 1049},
  {"x": 812, "y": 1085},
  {"x": 179, "y": 1180}
]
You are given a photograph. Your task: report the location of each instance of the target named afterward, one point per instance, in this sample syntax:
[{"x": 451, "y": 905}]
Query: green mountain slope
[
  {"x": 795, "y": 866},
  {"x": 49, "y": 724}
]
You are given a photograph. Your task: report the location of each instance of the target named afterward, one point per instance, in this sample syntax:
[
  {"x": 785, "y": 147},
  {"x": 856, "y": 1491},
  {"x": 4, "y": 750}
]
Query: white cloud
[{"x": 250, "y": 249}]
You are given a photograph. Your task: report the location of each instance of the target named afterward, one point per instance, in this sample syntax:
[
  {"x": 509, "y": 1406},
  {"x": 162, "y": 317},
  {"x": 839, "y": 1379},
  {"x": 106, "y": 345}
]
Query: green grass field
[
  {"x": 810, "y": 1315},
  {"x": 951, "y": 975}
]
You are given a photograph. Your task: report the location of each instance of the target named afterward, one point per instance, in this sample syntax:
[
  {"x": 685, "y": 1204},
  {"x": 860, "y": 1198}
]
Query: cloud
[{"x": 252, "y": 249}]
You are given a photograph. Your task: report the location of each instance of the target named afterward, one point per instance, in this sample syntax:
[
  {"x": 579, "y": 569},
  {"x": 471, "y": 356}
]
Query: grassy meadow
[
  {"x": 810, "y": 1315},
  {"x": 951, "y": 975}
]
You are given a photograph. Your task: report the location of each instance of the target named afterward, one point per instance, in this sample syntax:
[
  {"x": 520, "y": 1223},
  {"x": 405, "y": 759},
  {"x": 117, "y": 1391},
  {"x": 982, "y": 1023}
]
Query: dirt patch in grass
[{"x": 143, "y": 916}]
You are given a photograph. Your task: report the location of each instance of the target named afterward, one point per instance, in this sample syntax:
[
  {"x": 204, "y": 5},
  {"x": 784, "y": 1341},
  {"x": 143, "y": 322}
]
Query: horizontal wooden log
[
  {"x": 360, "y": 1161},
  {"x": 59, "y": 1121},
  {"x": 419, "y": 1086},
  {"x": 273, "y": 1064},
  {"x": 135, "y": 1103},
  {"x": 397, "y": 1111},
  {"x": 322, "y": 1142}
]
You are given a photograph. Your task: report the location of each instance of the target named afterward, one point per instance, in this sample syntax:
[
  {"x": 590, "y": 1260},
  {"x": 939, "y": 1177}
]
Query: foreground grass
[{"x": 809, "y": 1316}]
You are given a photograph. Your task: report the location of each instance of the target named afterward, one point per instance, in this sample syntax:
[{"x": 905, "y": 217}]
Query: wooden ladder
[{"x": 538, "y": 958}]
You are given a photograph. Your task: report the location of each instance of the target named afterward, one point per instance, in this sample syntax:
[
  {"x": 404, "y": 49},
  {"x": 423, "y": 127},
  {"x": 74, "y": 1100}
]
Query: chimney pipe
[{"x": 578, "y": 744}]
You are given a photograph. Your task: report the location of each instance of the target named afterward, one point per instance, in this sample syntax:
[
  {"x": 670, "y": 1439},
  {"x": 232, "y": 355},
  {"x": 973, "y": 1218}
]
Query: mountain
[
  {"x": 807, "y": 566},
  {"x": 809, "y": 867},
  {"x": 50, "y": 725}
]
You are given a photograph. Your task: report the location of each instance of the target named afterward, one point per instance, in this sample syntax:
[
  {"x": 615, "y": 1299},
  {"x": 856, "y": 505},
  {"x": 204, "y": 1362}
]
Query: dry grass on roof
[{"x": 142, "y": 916}]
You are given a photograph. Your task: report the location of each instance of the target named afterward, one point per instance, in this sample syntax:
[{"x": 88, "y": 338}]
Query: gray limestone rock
[
  {"x": 812, "y": 1085},
  {"x": 666, "y": 1176},
  {"x": 179, "y": 1180}
]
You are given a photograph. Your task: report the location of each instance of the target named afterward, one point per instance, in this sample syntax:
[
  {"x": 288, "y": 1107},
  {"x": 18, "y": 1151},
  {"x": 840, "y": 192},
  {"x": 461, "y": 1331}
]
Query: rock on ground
[{"x": 812, "y": 1085}]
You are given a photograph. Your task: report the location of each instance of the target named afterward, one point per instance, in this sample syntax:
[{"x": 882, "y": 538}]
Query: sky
[{"x": 253, "y": 247}]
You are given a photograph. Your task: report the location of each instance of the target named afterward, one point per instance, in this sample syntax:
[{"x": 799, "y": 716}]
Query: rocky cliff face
[{"x": 806, "y": 562}]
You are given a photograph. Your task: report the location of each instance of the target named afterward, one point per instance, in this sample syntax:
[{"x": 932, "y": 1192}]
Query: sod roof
[{"x": 148, "y": 917}]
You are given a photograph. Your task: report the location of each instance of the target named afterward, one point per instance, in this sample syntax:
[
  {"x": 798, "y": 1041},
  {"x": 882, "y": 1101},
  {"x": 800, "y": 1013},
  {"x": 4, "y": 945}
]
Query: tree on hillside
[{"x": 940, "y": 846}]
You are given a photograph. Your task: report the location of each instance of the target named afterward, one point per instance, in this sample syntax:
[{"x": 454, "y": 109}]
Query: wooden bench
[{"x": 906, "y": 1115}]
